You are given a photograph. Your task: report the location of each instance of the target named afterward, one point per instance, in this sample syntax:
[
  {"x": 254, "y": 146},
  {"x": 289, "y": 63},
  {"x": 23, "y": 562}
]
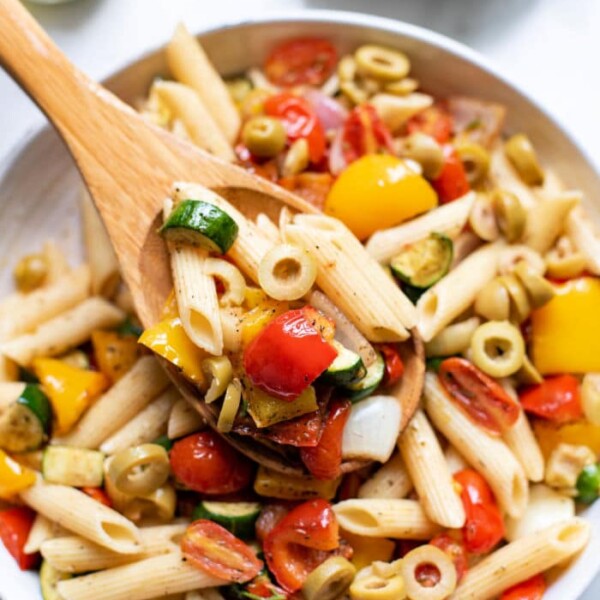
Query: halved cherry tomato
[
  {"x": 484, "y": 527},
  {"x": 15, "y": 525},
  {"x": 530, "y": 589},
  {"x": 263, "y": 168},
  {"x": 98, "y": 494},
  {"x": 263, "y": 587},
  {"x": 269, "y": 517},
  {"x": 288, "y": 354},
  {"x": 482, "y": 398},
  {"x": 205, "y": 463},
  {"x": 301, "y": 541},
  {"x": 452, "y": 182},
  {"x": 556, "y": 399},
  {"x": 325, "y": 459},
  {"x": 313, "y": 187},
  {"x": 299, "y": 121},
  {"x": 302, "y": 432},
  {"x": 365, "y": 133},
  {"x": 394, "y": 367},
  {"x": 304, "y": 60},
  {"x": 216, "y": 551},
  {"x": 455, "y": 549},
  {"x": 434, "y": 121},
  {"x": 349, "y": 487}
]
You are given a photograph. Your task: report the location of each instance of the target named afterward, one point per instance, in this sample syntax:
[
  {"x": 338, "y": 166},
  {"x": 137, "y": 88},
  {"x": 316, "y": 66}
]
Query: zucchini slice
[
  {"x": 369, "y": 383},
  {"x": 347, "y": 367},
  {"x": 237, "y": 517},
  {"x": 77, "y": 467},
  {"x": 49, "y": 578},
  {"x": 25, "y": 423},
  {"x": 425, "y": 262},
  {"x": 164, "y": 441},
  {"x": 201, "y": 224}
]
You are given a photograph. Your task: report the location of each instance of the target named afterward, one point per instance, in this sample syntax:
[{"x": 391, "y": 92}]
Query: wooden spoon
[{"x": 129, "y": 167}]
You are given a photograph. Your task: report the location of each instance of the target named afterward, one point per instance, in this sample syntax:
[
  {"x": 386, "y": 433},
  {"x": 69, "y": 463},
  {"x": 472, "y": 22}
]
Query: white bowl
[{"x": 39, "y": 183}]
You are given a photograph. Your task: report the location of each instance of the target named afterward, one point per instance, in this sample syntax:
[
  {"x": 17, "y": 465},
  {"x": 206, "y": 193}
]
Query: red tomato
[
  {"x": 325, "y": 459},
  {"x": 205, "y": 463},
  {"x": 365, "y": 133},
  {"x": 299, "y": 121},
  {"x": 394, "y": 367},
  {"x": 263, "y": 168},
  {"x": 452, "y": 182},
  {"x": 302, "y": 432},
  {"x": 530, "y": 589},
  {"x": 269, "y": 517},
  {"x": 288, "y": 355},
  {"x": 313, "y": 187},
  {"x": 310, "y": 526},
  {"x": 98, "y": 494},
  {"x": 484, "y": 527},
  {"x": 482, "y": 398},
  {"x": 349, "y": 487},
  {"x": 262, "y": 587},
  {"x": 434, "y": 121},
  {"x": 304, "y": 60},
  {"x": 15, "y": 525},
  {"x": 556, "y": 399},
  {"x": 455, "y": 549},
  {"x": 216, "y": 551}
]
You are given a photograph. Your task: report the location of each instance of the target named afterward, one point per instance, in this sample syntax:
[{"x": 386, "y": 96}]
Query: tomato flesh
[
  {"x": 394, "y": 367},
  {"x": 452, "y": 182},
  {"x": 15, "y": 525},
  {"x": 434, "y": 121},
  {"x": 98, "y": 494},
  {"x": 269, "y": 517},
  {"x": 557, "y": 399},
  {"x": 482, "y": 398},
  {"x": 455, "y": 549},
  {"x": 313, "y": 187},
  {"x": 530, "y": 589},
  {"x": 205, "y": 463},
  {"x": 301, "y": 432},
  {"x": 365, "y": 133}
]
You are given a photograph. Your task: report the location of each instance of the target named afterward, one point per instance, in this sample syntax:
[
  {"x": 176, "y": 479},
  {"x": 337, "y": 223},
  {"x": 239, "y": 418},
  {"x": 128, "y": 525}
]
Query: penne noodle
[
  {"x": 209, "y": 594},
  {"x": 503, "y": 175},
  {"x": 231, "y": 323},
  {"x": 268, "y": 228},
  {"x": 391, "y": 480},
  {"x": 41, "y": 531},
  {"x": 58, "y": 265},
  {"x": 9, "y": 392},
  {"x": 523, "y": 444},
  {"x": 584, "y": 236},
  {"x": 453, "y": 339},
  {"x": 183, "y": 420}
]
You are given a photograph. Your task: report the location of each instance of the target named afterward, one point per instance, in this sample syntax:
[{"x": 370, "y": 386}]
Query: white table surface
[{"x": 550, "y": 48}]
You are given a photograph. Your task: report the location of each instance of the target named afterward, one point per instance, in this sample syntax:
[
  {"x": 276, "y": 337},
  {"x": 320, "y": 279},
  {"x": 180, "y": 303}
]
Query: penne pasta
[
  {"x": 454, "y": 339},
  {"x": 268, "y": 228},
  {"x": 183, "y": 420},
  {"x": 58, "y": 265},
  {"x": 209, "y": 594},
  {"x": 391, "y": 480},
  {"x": 42, "y": 530},
  {"x": 585, "y": 238},
  {"x": 503, "y": 175}
]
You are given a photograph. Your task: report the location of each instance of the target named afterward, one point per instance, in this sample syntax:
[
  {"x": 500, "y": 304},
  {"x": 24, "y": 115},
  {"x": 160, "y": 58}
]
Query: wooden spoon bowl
[{"x": 129, "y": 167}]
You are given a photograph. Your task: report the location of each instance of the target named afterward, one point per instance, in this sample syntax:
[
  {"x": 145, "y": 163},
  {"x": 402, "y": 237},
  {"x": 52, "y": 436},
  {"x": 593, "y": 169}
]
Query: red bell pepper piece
[
  {"x": 556, "y": 399},
  {"x": 365, "y": 133},
  {"x": 530, "y": 589},
  {"x": 484, "y": 526},
  {"x": 288, "y": 354},
  {"x": 394, "y": 367},
  {"x": 434, "y": 121},
  {"x": 15, "y": 525},
  {"x": 98, "y": 494},
  {"x": 452, "y": 182}
]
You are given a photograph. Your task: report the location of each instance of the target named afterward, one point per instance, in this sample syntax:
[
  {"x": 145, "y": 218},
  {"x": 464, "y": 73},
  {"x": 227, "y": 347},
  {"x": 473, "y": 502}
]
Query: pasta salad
[{"x": 289, "y": 465}]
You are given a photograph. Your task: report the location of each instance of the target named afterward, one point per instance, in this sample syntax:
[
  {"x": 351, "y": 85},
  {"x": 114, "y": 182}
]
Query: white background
[{"x": 550, "y": 48}]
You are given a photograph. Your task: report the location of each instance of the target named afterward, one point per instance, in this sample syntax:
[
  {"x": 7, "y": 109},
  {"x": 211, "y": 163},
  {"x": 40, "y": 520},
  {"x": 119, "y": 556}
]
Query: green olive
[
  {"x": 497, "y": 348},
  {"x": 239, "y": 88},
  {"x": 493, "y": 301},
  {"x": 264, "y": 136},
  {"x": 329, "y": 580},
  {"x": 382, "y": 63},
  {"x": 374, "y": 587},
  {"x": 139, "y": 470},
  {"x": 475, "y": 159},
  {"x": 528, "y": 374},
  {"x": 346, "y": 69},
  {"x": 523, "y": 157},
  {"x": 482, "y": 218},
  {"x": 520, "y": 308},
  {"x": 355, "y": 94},
  {"x": 510, "y": 214},
  {"x": 405, "y": 86},
  {"x": 426, "y": 151},
  {"x": 30, "y": 272},
  {"x": 565, "y": 265},
  {"x": 538, "y": 288}
]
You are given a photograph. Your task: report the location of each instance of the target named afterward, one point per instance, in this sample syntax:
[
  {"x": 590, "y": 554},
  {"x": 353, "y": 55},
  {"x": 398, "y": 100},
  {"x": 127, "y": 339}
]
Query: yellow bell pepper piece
[
  {"x": 565, "y": 335},
  {"x": 378, "y": 191},
  {"x": 70, "y": 390},
  {"x": 267, "y": 410},
  {"x": 367, "y": 549},
  {"x": 549, "y": 435},
  {"x": 289, "y": 487},
  {"x": 169, "y": 340},
  {"x": 257, "y": 318},
  {"x": 14, "y": 477},
  {"x": 115, "y": 354}
]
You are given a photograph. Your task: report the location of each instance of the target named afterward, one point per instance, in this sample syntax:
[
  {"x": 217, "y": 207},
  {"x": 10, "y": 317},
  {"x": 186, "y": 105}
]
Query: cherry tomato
[
  {"x": 530, "y": 589},
  {"x": 482, "y": 398},
  {"x": 98, "y": 494},
  {"x": 452, "y": 182},
  {"x": 434, "y": 121},
  {"x": 365, "y": 133},
  {"x": 205, "y": 463},
  {"x": 216, "y": 551},
  {"x": 299, "y": 121},
  {"x": 313, "y": 187},
  {"x": 262, "y": 587},
  {"x": 455, "y": 549},
  {"x": 325, "y": 459},
  {"x": 484, "y": 527},
  {"x": 15, "y": 525},
  {"x": 263, "y": 168},
  {"x": 269, "y": 517},
  {"x": 349, "y": 487},
  {"x": 556, "y": 399},
  {"x": 301, "y": 541},
  {"x": 304, "y": 60},
  {"x": 394, "y": 367},
  {"x": 302, "y": 432},
  {"x": 288, "y": 354}
]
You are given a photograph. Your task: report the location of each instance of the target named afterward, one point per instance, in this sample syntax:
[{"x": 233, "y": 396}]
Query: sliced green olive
[
  {"x": 523, "y": 157},
  {"x": 493, "y": 301},
  {"x": 30, "y": 272},
  {"x": 382, "y": 63},
  {"x": 497, "y": 348},
  {"x": 264, "y": 136},
  {"x": 426, "y": 151},
  {"x": 520, "y": 308},
  {"x": 405, "y": 86},
  {"x": 139, "y": 470},
  {"x": 346, "y": 69},
  {"x": 528, "y": 374},
  {"x": 239, "y": 88},
  {"x": 565, "y": 265},
  {"x": 482, "y": 218},
  {"x": 329, "y": 580},
  {"x": 510, "y": 214},
  {"x": 475, "y": 159},
  {"x": 538, "y": 288},
  {"x": 355, "y": 94}
]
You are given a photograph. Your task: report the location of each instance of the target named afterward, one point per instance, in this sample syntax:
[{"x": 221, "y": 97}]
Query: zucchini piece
[
  {"x": 164, "y": 441},
  {"x": 201, "y": 224},
  {"x": 25, "y": 423},
  {"x": 77, "y": 467},
  {"x": 237, "y": 517},
  {"x": 49, "y": 578},
  {"x": 347, "y": 367},
  {"x": 423, "y": 263},
  {"x": 369, "y": 383}
]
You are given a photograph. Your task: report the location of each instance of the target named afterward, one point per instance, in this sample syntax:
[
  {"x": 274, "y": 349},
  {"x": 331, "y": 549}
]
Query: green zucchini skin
[
  {"x": 77, "y": 467},
  {"x": 369, "y": 383},
  {"x": 346, "y": 369},
  {"x": 201, "y": 224},
  {"x": 49, "y": 578},
  {"x": 164, "y": 441},
  {"x": 237, "y": 517}
]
